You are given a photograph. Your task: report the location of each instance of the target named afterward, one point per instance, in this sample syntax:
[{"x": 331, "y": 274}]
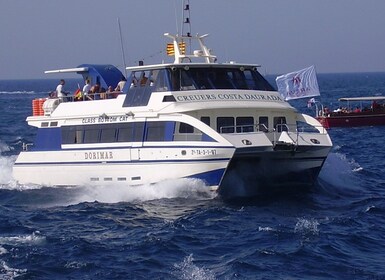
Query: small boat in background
[{"x": 359, "y": 111}]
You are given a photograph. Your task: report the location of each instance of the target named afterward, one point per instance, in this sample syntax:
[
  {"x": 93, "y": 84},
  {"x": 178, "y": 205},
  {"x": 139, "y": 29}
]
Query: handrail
[{"x": 91, "y": 96}]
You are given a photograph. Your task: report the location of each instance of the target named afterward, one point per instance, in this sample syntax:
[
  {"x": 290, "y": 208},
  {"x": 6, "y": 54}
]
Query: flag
[{"x": 299, "y": 84}]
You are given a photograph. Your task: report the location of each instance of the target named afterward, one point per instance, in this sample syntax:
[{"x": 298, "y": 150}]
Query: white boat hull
[{"x": 122, "y": 167}]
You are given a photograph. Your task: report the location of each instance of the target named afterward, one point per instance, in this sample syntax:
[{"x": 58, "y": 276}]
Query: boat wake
[
  {"x": 178, "y": 188},
  {"x": 45, "y": 196},
  {"x": 339, "y": 174}
]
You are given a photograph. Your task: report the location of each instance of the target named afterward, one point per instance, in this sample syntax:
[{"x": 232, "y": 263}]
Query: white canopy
[{"x": 365, "y": 98}]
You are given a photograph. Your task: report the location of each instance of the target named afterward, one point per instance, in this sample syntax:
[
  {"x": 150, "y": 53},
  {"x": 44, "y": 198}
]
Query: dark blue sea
[{"x": 178, "y": 230}]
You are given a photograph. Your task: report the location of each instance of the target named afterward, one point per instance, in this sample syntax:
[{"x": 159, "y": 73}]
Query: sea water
[{"x": 179, "y": 230}]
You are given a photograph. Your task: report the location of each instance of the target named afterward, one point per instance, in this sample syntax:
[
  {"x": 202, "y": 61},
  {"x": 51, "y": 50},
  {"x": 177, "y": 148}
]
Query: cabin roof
[
  {"x": 191, "y": 65},
  {"x": 105, "y": 74}
]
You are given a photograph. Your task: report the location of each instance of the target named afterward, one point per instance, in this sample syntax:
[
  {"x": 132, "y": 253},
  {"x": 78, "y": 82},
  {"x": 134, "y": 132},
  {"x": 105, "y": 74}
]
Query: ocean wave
[
  {"x": 8, "y": 273},
  {"x": 266, "y": 229},
  {"x": 18, "y": 92},
  {"x": 6, "y": 177},
  {"x": 50, "y": 196},
  {"x": 187, "y": 270},
  {"x": 338, "y": 170},
  {"x": 34, "y": 238},
  {"x": 4, "y": 147},
  {"x": 307, "y": 226},
  {"x": 178, "y": 188},
  {"x": 3, "y": 251}
]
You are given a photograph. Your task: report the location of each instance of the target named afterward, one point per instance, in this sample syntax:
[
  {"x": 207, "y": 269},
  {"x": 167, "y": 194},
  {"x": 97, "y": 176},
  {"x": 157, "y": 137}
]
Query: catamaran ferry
[{"x": 221, "y": 123}]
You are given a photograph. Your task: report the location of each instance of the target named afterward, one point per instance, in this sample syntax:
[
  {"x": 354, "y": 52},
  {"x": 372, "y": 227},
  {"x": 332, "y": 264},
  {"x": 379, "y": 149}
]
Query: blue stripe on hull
[{"x": 211, "y": 178}]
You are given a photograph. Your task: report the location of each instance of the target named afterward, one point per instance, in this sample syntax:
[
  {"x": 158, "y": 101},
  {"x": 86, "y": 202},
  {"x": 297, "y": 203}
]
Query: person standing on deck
[
  {"x": 60, "y": 90},
  {"x": 86, "y": 89}
]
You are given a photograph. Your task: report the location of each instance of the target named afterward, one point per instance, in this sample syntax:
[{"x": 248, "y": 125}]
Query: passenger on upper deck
[
  {"x": 60, "y": 90},
  {"x": 143, "y": 79},
  {"x": 87, "y": 89},
  {"x": 94, "y": 91},
  {"x": 121, "y": 84}
]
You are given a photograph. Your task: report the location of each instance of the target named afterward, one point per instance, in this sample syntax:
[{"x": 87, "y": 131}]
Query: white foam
[
  {"x": 307, "y": 226},
  {"x": 6, "y": 165},
  {"x": 17, "y": 92},
  {"x": 3, "y": 251},
  {"x": 185, "y": 188},
  {"x": 34, "y": 238},
  {"x": 265, "y": 229},
  {"x": 187, "y": 270},
  {"x": 339, "y": 170},
  {"x": 7, "y": 272}
]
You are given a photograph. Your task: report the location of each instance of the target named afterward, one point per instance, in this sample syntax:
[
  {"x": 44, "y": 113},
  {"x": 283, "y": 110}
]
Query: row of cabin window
[
  {"x": 159, "y": 131},
  {"x": 130, "y": 132},
  {"x": 243, "y": 124}
]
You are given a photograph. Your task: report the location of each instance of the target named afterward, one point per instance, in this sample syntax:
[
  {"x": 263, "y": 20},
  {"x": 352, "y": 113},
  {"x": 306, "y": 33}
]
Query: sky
[{"x": 281, "y": 35}]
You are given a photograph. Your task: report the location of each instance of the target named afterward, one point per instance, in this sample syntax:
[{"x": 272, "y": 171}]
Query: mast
[{"x": 121, "y": 45}]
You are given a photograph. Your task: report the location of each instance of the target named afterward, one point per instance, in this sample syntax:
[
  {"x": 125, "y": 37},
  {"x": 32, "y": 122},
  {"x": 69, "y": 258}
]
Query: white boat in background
[{"x": 222, "y": 123}]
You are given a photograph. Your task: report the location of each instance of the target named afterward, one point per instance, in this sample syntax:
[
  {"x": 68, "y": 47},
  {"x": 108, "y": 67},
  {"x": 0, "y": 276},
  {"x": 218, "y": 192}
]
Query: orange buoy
[{"x": 37, "y": 106}]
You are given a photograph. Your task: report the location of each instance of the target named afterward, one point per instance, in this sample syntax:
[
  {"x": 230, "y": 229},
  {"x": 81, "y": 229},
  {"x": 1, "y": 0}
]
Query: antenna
[
  {"x": 176, "y": 18},
  {"x": 121, "y": 45}
]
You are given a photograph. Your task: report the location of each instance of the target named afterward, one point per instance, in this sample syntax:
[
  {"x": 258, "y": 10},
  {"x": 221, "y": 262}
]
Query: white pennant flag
[{"x": 299, "y": 84}]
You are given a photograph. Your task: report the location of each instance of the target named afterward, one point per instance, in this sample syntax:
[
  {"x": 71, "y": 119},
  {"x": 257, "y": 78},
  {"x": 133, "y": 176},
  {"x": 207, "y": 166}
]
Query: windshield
[{"x": 218, "y": 78}]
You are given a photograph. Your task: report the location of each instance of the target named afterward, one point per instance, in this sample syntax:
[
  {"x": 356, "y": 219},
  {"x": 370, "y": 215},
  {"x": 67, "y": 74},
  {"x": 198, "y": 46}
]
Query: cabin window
[
  {"x": 155, "y": 131},
  {"x": 185, "y": 128},
  {"x": 72, "y": 135},
  {"x": 186, "y": 82},
  {"x": 256, "y": 81},
  {"x": 245, "y": 124},
  {"x": 161, "y": 81},
  {"x": 206, "y": 120},
  {"x": 125, "y": 134},
  {"x": 140, "y": 90},
  {"x": 280, "y": 124},
  {"x": 91, "y": 135},
  {"x": 68, "y": 135},
  {"x": 138, "y": 132},
  {"x": 187, "y": 132},
  {"x": 108, "y": 135},
  {"x": 160, "y": 131},
  {"x": 238, "y": 79},
  {"x": 131, "y": 132},
  {"x": 225, "y": 124},
  {"x": 305, "y": 127},
  {"x": 263, "y": 124}
]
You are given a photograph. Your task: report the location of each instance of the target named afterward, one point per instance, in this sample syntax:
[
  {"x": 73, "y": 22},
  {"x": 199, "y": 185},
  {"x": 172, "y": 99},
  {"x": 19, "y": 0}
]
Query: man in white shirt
[
  {"x": 121, "y": 84},
  {"x": 60, "y": 90},
  {"x": 86, "y": 89}
]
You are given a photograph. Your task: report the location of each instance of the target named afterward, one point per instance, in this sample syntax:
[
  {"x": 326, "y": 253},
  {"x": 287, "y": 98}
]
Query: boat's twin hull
[{"x": 266, "y": 172}]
